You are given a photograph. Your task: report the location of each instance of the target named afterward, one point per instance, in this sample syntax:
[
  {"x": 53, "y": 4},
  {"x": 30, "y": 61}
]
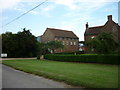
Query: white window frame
[
  {"x": 63, "y": 43},
  {"x": 67, "y": 43},
  {"x": 74, "y": 43}
]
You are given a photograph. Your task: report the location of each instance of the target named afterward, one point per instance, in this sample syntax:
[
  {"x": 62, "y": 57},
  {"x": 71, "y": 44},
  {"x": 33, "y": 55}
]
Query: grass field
[{"x": 76, "y": 74}]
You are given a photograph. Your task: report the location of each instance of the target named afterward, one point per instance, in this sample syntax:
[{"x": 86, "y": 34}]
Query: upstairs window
[
  {"x": 63, "y": 43},
  {"x": 70, "y": 43},
  {"x": 56, "y": 39},
  {"x": 73, "y": 39},
  {"x": 67, "y": 43},
  {"x": 74, "y": 43},
  {"x": 60, "y": 38}
]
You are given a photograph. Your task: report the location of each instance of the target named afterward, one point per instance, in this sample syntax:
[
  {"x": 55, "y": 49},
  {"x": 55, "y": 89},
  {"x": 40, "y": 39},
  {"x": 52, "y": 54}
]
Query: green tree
[
  {"x": 43, "y": 48},
  {"x": 104, "y": 43},
  {"x": 22, "y": 44},
  {"x": 28, "y": 43},
  {"x": 9, "y": 43},
  {"x": 55, "y": 45}
]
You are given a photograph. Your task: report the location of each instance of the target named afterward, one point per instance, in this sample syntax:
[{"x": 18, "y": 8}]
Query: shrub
[{"x": 90, "y": 58}]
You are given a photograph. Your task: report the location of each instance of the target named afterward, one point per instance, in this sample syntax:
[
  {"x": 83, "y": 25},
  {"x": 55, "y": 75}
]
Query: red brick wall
[{"x": 68, "y": 47}]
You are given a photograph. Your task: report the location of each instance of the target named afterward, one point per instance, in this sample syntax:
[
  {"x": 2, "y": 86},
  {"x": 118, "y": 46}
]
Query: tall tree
[
  {"x": 103, "y": 43},
  {"x": 28, "y": 43},
  {"x": 22, "y": 44}
]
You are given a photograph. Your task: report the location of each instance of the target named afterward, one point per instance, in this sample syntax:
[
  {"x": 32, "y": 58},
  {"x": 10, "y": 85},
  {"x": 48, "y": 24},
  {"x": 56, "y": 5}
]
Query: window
[
  {"x": 66, "y": 38},
  {"x": 92, "y": 49},
  {"x": 81, "y": 44},
  {"x": 55, "y": 38},
  {"x": 60, "y": 38},
  {"x": 93, "y": 37},
  {"x": 80, "y": 49},
  {"x": 74, "y": 43},
  {"x": 70, "y": 43},
  {"x": 114, "y": 29},
  {"x": 63, "y": 43},
  {"x": 66, "y": 43}
]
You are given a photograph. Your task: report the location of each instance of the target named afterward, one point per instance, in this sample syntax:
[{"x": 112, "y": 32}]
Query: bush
[{"x": 90, "y": 58}]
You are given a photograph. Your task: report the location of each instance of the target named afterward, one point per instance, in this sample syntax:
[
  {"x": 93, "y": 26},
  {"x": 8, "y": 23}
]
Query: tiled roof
[
  {"x": 93, "y": 30},
  {"x": 62, "y": 33}
]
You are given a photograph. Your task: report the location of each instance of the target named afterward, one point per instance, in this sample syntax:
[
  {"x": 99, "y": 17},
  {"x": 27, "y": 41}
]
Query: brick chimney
[
  {"x": 87, "y": 25},
  {"x": 110, "y": 18}
]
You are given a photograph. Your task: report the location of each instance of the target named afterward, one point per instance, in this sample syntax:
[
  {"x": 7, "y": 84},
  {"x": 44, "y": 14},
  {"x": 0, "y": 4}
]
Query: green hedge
[
  {"x": 106, "y": 59},
  {"x": 77, "y": 52}
]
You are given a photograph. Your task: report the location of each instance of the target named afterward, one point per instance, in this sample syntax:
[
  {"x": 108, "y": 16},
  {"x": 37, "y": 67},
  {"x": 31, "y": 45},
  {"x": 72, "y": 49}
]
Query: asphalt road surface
[{"x": 12, "y": 78}]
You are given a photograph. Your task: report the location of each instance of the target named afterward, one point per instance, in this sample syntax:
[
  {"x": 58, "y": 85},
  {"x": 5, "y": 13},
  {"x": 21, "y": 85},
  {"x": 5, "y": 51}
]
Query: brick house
[
  {"x": 68, "y": 39},
  {"x": 109, "y": 26}
]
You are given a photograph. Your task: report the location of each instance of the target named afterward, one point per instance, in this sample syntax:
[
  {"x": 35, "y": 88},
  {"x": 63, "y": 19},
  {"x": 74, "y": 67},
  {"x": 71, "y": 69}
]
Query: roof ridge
[
  {"x": 62, "y": 33},
  {"x": 97, "y": 26},
  {"x": 59, "y": 29}
]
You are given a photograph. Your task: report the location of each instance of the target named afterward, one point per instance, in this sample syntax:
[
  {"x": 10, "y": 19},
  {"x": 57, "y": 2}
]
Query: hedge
[
  {"x": 106, "y": 59},
  {"x": 77, "y": 52}
]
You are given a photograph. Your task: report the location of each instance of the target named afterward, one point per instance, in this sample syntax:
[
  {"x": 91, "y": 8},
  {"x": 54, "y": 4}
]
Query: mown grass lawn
[{"x": 77, "y": 74}]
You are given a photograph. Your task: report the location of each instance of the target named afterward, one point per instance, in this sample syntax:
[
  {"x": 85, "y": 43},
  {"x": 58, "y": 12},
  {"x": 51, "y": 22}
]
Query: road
[
  {"x": 16, "y": 58},
  {"x": 12, "y": 78}
]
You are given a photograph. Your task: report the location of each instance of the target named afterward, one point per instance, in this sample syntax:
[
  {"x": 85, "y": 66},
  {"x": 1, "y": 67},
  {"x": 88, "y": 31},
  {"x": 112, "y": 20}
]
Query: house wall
[
  {"x": 70, "y": 44},
  {"x": 68, "y": 47},
  {"x": 88, "y": 37},
  {"x": 110, "y": 26},
  {"x": 114, "y": 29},
  {"x": 47, "y": 36}
]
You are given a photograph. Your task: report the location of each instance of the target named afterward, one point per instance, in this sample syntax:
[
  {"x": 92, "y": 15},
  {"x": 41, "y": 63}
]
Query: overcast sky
[{"x": 69, "y": 15}]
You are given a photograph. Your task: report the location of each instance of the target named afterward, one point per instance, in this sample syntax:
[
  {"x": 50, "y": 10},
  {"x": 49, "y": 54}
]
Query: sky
[{"x": 71, "y": 15}]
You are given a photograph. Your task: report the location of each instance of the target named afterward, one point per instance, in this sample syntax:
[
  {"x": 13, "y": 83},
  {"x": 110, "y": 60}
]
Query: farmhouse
[
  {"x": 109, "y": 26},
  {"x": 68, "y": 39}
]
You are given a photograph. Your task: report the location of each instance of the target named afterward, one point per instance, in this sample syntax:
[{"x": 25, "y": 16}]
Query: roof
[
  {"x": 93, "y": 30},
  {"x": 62, "y": 33}
]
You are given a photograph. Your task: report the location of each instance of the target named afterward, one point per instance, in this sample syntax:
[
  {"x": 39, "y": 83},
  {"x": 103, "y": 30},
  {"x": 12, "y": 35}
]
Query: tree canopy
[
  {"x": 22, "y": 44},
  {"x": 55, "y": 45},
  {"x": 49, "y": 47},
  {"x": 104, "y": 43}
]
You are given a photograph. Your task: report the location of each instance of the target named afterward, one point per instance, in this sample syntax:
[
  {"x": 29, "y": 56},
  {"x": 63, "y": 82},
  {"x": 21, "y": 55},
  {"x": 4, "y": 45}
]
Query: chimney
[
  {"x": 86, "y": 25},
  {"x": 110, "y": 18}
]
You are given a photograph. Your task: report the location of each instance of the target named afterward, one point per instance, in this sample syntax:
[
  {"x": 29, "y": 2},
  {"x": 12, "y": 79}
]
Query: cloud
[
  {"x": 7, "y": 4},
  {"x": 72, "y": 4},
  {"x": 48, "y": 8},
  {"x": 69, "y": 3}
]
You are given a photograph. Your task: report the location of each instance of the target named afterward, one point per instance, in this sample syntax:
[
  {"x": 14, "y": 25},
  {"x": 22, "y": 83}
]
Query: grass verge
[{"x": 76, "y": 74}]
